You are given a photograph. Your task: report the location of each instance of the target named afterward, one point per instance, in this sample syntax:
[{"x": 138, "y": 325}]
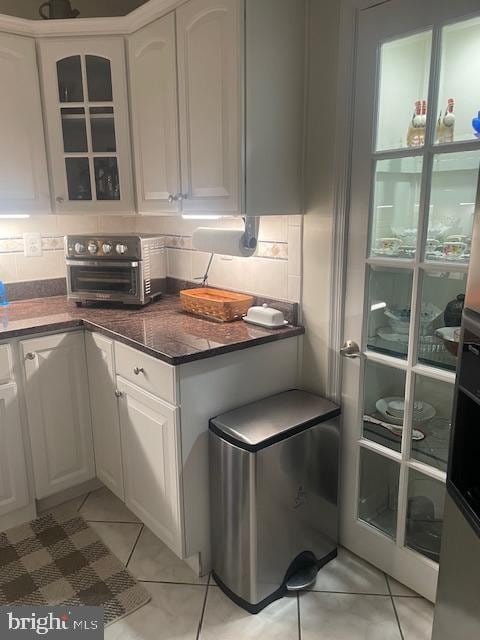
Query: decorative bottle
[
  {"x": 448, "y": 128},
  {"x": 415, "y": 127}
]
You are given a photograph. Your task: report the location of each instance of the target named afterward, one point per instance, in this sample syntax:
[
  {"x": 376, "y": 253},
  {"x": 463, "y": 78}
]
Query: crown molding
[{"x": 118, "y": 25}]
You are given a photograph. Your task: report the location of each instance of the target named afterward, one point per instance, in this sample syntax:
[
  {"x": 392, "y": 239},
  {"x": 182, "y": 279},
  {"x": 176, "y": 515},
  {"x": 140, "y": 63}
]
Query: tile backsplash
[{"x": 275, "y": 270}]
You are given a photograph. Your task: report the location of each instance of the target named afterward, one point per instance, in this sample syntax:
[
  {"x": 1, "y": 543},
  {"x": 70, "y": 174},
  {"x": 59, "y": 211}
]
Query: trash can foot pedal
[{"x": 303, "y": 578}]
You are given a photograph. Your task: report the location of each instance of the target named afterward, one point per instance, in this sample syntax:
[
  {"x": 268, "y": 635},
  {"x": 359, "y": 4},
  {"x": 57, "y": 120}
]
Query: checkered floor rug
[{"x": 58, "y": 559}]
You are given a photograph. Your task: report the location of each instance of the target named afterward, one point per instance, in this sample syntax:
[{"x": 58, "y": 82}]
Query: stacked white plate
[{"x": 393, "y": 410}]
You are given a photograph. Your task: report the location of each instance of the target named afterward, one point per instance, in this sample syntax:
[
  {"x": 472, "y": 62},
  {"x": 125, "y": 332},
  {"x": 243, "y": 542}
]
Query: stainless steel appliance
[
  {"x": 457, "y": 612},
  {"x": 118, "y": 268},
  {"x": 273, "y": 490}
]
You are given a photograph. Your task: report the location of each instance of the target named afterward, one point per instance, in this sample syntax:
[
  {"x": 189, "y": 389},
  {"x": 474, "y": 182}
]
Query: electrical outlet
[{"x": 32, "y": 245}]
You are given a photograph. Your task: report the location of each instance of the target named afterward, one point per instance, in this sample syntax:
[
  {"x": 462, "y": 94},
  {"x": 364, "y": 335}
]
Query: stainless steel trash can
[{"x": 273, "y": 491}]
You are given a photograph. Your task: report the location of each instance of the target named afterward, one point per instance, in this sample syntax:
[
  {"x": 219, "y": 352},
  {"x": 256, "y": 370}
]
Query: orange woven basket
[{"x": 215, "y": 304}]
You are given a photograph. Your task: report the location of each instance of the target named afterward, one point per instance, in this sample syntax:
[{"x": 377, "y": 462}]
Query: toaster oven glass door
[{"x": 120, "y": 280}]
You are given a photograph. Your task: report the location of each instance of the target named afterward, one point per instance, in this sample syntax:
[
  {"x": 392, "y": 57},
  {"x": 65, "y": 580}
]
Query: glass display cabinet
[
  {"x": 87, "y": 124},
  {"x": 415, "y": 178},
  {"x": 426, "y": 167}
]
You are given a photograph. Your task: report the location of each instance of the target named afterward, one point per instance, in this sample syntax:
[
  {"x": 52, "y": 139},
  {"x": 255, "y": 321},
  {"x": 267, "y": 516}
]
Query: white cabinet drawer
[
  {"x": 6, "y": 372},
  {"x": 146, "y": 372}
]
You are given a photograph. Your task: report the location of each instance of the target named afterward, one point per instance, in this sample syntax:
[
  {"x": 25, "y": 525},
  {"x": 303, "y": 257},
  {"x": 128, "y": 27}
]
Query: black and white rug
[{"x": 58, "y": 559}]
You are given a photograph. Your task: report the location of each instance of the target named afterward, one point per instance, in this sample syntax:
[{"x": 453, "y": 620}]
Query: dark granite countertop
[{"x": 160, "y": 329}]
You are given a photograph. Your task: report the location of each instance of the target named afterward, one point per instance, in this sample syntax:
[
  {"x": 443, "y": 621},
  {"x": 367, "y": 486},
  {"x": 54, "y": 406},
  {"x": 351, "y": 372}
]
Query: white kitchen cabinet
[
  {"x": 104, "y": 410},
  {"x": 154, "y": 116},
  {"x": 86, "y": 113},
  {"x": 151, "y": 456},
  {"x": 23, "y": 165},
  {"x": 209, "y": 67},
  {"x": 58, "y": 411},
  {"x": 240, "y": 68},
  {"x": 13, "y": 473}
]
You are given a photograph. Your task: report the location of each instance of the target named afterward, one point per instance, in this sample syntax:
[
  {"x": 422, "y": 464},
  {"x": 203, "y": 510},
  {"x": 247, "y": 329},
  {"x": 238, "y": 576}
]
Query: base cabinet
[
  {"x": 151, "y": 450},
  {"x": 13, "y": 473},
  {"x": 105, "y": 418},
  {"x": 58, "y": 411},
  {"x": 98, "y": 408}
]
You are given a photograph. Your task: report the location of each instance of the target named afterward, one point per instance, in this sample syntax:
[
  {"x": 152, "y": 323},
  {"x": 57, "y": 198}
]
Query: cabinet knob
[
  {"x": 182, "y": 196},
  {"x": 30, "y": 356},
  {"x": 138, "y": 370},
  {"x": 171, "y": 198},
  {"x": 118, "y": 393},
  {"x": 59, "y": 199}
]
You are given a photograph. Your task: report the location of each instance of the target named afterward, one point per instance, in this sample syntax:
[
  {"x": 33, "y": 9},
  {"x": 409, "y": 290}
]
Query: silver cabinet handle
[
  {"x": 138, "y": 370},
  {"x": 118, "y": 393},
  {"x": 171, "y": 198},
  {"x": 350, "y": 349},
  {"x": 30, "y": 356},
  {"x": 59, "y": 199},
  {"x": 181, "y": 196}
]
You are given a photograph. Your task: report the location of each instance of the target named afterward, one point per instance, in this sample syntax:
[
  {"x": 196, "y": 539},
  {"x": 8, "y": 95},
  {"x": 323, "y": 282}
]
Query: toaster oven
[{"x": 129, "y": 269}]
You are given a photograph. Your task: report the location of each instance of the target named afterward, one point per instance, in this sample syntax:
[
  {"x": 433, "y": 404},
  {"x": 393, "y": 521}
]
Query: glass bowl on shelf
[{"x": 399, "y": 319}]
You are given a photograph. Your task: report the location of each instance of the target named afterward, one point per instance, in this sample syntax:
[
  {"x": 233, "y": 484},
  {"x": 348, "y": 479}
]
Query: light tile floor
[{"x": 351, "y": 600}]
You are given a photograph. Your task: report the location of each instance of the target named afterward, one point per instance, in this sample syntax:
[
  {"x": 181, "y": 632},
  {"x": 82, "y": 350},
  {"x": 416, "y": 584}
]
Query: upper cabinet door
[
  {"x": 23, "y": 165},
  {"x": 154, "y": 115},
  {"x": 86, "y": 112},
  {"x": 209, "y": 65}
]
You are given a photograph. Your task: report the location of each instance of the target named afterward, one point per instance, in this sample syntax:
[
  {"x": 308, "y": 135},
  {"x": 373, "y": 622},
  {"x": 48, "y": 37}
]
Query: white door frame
[
  {"x": 346, "y": 75},
  {"x": 345, "y": 103}
]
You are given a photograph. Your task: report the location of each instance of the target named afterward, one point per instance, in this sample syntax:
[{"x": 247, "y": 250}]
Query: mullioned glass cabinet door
[{"x": 86, "y": 92}]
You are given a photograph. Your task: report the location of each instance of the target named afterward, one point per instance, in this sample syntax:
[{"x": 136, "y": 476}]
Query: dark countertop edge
[
  {"x": 77, "y": 323},
  {"x": 199, "y": 355},
  {"x": 61, "y": 325}
]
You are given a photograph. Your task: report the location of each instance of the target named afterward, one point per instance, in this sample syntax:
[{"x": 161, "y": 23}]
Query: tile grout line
[
  {"x": 298, "y": 617},
  {"x": 111, "y": 521},
  {"x": 394, "y": 607},
  {"x": 135, "y": 545},
  {"x": 200, "y": 623},
  {"x": 186, "y": 584},
  {"x": 355, "y": 593},
  {"x": 83, "y": 502}
]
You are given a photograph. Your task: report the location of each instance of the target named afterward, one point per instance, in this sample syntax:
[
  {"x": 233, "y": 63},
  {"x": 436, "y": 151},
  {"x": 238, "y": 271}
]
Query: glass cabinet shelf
[
  {"x": 388, "y": 310},
  {"x": 404, "y": 76},
  {"x": 433, "y": 399},
  {"x": 459, "y": 73},
  {"x": 396, "y": 201},
  {"x": 426, "y": 497},
  {"x": 382, "y": 423},
  {"x": 443, "y": 292},
  {"x": 452, "y": 206},
  {"x": 378, "y": 495},
  {"x": 88, "y": 128}
]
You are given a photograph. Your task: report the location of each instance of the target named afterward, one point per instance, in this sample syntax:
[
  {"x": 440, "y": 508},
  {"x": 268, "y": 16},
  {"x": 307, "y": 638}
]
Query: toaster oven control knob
[
  {"x": 92, "y": 247},
  {"x": 79, "y": 247},
  {"x": 121, "y": 248},
  {"x": 107, "y": 248}
]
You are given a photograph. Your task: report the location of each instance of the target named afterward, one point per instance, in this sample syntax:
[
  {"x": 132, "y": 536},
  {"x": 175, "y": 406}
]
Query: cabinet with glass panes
[
  {"x": 424, "y": 192},
  {"x": 87, "y": 124}
]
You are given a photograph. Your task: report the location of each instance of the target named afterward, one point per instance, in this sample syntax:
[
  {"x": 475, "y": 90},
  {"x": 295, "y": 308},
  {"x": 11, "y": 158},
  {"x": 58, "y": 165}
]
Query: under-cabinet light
[
  {"x": 14, "y": 216},
  {"x": 202, "y": 217}
]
